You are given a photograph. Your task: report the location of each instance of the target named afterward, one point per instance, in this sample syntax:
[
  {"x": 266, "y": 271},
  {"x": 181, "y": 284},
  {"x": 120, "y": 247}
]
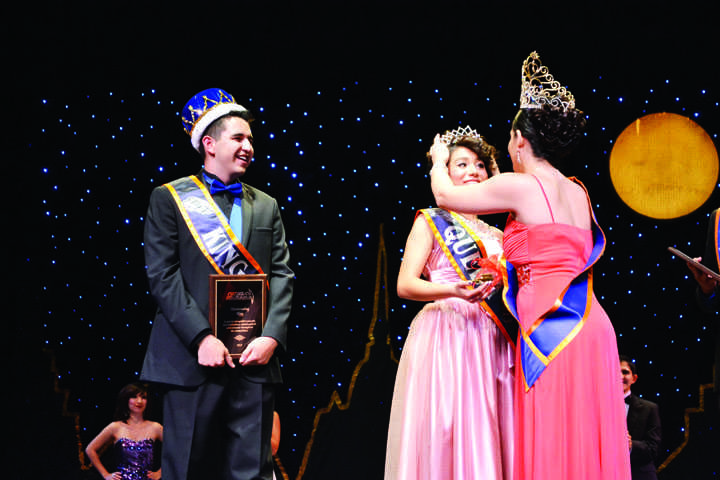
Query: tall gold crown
[
  {"x": 540, "y": 88},
  {"x": 452, "y": 136}
]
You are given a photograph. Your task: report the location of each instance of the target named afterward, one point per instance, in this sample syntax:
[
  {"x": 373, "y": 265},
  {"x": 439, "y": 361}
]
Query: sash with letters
[
  {"x": 210, "y": 228},
  {"x": 464, "y": 249},
  {"x": 557, "y": 327}
]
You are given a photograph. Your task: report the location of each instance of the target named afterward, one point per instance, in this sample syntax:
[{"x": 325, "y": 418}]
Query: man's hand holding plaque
[
  {"x": 213, "y": 353},
  {"x": 258, "y": 352}
]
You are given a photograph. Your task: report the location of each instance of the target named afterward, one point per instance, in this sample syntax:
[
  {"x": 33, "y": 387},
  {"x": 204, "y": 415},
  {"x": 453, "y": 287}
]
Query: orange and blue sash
[
  {"x": 463, "y": 248},
  {"x": 210, "y": 228},
  {"x": 555, "y": 329}
]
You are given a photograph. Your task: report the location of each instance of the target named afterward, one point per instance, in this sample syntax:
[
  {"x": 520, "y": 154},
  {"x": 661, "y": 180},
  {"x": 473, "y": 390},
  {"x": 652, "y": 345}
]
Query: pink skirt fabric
[
  {"x": 573, "y": 418},
  {"x": 452, "y": 410},
  {"x": 571, "y": 423}
]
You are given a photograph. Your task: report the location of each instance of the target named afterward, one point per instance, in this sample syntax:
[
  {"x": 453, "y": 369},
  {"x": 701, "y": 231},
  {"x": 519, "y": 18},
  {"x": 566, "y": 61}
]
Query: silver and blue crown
[{"x": 203, "y": 109}]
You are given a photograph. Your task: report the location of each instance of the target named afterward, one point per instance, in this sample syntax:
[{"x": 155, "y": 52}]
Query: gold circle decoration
[{"x": 664, "y": 166}]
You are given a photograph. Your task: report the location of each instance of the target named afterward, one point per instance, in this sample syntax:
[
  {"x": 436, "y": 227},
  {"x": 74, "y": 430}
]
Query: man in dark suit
[
  {"x": 708, "y": 290},
  {"x": 643, "y": 421},
  {"x": 217, "y": 411}
]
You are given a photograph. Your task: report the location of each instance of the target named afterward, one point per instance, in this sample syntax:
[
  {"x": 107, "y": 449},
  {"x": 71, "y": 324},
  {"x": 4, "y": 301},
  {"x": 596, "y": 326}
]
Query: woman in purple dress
[{"x": 133, "y": 437}]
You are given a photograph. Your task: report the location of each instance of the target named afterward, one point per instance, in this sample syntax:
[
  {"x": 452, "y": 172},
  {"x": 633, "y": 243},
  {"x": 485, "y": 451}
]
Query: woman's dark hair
[
  {"x": 553, "y": 133},
  {"x": 485, "y": 152},
  {"x": 122, "y": 412}
]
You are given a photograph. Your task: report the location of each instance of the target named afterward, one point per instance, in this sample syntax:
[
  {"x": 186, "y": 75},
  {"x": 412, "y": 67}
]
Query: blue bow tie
[{"x": 216, "y": 186}]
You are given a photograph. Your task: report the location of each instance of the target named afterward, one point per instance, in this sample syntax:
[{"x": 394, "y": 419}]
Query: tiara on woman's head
[
  {"x": 540, "y": 88},
  {"x": 452, "y": 136}
]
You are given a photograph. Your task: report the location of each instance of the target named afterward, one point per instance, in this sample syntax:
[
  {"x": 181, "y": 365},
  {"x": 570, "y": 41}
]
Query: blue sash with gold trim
[
  {"x": 464, "y": 248},
  {"x": 210, "y": 228},
  {"x": 555, "y": 329}
]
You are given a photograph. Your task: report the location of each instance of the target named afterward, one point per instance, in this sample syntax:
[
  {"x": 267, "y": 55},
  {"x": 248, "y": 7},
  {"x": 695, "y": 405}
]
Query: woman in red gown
[{"x": 570, "y": 421}]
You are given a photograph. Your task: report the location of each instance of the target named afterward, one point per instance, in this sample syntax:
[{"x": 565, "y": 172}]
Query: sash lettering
[
  {"x": 210, "y": 228},
  {"x": 463, "y": 248}
]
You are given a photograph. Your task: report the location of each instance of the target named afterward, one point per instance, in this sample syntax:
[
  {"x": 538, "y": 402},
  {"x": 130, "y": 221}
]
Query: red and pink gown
[
  {"x": 452, "y": 408},
  {"x": 570, "y": 424}
]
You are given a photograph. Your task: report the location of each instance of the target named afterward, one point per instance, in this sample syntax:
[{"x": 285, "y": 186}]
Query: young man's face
[
  {"x": 628, "y": 378},
  {"x": 230, "y": 154}
]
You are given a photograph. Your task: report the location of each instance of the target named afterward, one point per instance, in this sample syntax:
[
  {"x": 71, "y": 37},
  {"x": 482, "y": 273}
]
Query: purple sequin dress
[{"x": 134, "y": 458}]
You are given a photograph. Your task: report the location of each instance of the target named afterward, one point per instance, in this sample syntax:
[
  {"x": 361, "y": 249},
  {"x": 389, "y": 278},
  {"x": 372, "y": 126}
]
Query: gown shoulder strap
[{"x": 546, "y": 198}]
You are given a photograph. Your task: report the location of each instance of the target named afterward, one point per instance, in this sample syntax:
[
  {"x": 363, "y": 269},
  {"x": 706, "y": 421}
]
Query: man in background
[{"x": 643, "y": 421}]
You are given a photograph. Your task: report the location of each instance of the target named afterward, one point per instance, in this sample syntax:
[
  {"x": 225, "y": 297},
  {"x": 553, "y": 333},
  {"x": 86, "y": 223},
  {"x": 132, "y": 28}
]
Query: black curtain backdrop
[{"x": 348, "y": 98}]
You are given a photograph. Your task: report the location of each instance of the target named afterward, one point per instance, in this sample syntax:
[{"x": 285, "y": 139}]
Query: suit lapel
[
  {"x": 633, "y": 418},
  {"x": 247, "y": 214}
]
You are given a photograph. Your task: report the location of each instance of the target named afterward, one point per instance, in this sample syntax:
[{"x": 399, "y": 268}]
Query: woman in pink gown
[
  {"x": 452, "y": 410},
  {"x": 570, "y": 420}
]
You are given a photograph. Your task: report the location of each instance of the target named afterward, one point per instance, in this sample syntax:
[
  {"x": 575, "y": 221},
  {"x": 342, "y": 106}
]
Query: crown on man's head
[
  {"x": 452, "y": 136},
  {"x": 203, "y": 109},
  {"x": 540, "y": 88}
]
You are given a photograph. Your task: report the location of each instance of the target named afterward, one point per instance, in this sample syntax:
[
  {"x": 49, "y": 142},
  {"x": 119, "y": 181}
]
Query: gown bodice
[
  {"x": 134, "y": 457},
  {"x": 546, "y": 257},
  {"x": 438, "y": 268}
]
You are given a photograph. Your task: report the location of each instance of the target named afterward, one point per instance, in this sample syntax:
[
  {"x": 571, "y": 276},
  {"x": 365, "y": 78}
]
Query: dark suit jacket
[
  {"x": 178, "y": 275},
  {"x": 711, "y": 304},
  {"x": 643, "y": 421}
]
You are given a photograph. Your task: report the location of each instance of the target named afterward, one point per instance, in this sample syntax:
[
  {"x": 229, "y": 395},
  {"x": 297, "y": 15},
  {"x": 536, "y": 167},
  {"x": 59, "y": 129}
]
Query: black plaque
[
  {"x": 237, "y": 309},
  {"x": 697, "y": 265}
]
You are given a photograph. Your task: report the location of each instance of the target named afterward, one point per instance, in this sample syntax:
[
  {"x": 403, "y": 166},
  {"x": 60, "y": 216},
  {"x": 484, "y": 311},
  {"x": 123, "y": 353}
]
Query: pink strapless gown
[
  {"x": 571, "y": 423},
  {"x": 452, "y": 409}
]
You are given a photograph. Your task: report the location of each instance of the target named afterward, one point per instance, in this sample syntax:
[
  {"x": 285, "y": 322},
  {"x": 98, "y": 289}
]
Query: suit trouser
[{"x": 220, "y": 429}]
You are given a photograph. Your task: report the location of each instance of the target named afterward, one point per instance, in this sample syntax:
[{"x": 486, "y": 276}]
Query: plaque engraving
[{"x": 237, "y": 309}]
